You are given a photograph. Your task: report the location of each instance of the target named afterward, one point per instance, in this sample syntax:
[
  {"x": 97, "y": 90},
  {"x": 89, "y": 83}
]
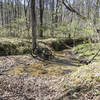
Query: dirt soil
[
  {"x": 30, "y": 88},
  {"x": 34, "y": 84},
  {"x": 8, "y": 62}
]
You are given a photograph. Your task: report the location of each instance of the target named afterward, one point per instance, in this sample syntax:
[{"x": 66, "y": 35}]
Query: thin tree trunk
[
  {"x": 2, "y": 13},
  {"x": 96, "y": 15},
  {"x": 53, "y": 10},
  {"x": 56, "y": 18}
]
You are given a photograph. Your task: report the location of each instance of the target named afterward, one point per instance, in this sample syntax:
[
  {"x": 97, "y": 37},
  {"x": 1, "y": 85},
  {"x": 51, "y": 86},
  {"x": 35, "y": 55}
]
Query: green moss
[
  {"x": 11, "y": 47},
  {"x": 61, "y": 44},
  {"x": 86, "y": 50}
]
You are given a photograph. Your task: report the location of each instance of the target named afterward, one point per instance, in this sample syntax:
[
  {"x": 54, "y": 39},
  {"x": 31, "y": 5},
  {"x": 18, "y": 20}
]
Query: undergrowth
[
  {"x": 83, "y": 81},
  {"x": 87, "y": 50}
]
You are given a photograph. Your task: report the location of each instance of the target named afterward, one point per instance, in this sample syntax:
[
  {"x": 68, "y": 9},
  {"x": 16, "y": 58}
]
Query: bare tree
[
  {"x": 33, "y": 16},
  {"x": 96, "y": 15},
  {"x": 2, "y": 13},
  {"x": 41, "y": 17}
]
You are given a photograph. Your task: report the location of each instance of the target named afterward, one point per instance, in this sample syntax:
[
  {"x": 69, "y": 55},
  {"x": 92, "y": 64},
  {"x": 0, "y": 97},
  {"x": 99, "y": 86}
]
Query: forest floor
[
  {"x": 23, "y": 77},
  {"x": 25, "y": 64}
]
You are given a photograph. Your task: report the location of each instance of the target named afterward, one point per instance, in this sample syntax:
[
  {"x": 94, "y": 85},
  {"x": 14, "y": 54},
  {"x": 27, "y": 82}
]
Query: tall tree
[
  {"x": 57, "y": 7},
  {"x": 52, "y": 9},
  {"x": 96, "y": 15},
  {"x": 2, "y": 13},
  {"x": 41, "y": 17},
  {"x": 26, "y": 9},
  {"x": 33, "y": 16}
]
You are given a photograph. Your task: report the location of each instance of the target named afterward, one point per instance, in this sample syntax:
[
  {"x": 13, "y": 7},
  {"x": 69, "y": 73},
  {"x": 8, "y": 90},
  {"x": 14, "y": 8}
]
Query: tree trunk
[
  {"x": 41, "y": 17},
  {"x": 2, "y": 13},
  {"x": 56, "y": 17},
  {"x": 96, "y": 15},
  {"x": 52, "y": 10},
  {"x": 33, "y": 16}
]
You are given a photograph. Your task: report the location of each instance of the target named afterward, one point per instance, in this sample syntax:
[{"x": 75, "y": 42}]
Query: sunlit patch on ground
[{"x": 41, "y": 70}]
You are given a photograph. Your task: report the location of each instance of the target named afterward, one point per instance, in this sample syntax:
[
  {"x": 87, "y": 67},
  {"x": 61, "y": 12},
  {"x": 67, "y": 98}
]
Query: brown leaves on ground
[{"x": 29, "y": 88}]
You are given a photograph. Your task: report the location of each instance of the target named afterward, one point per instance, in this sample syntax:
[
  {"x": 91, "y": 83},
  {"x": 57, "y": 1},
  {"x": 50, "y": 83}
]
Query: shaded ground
[
  {"x": 9, "y": 62},
  {"x": 25, "y": 64},
  {"x": 25, "y": 78}
]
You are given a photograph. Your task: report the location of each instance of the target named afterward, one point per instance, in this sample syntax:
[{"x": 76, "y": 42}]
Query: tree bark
[
  {"x": 52, "y": 10},
  {"x": 56, "y": 17},
  {"x": 33, "y": 16},
  {"x": 2, "y": 13},
  {"x": 41, "y": 17},
  {"x": 96, "y": 15}
]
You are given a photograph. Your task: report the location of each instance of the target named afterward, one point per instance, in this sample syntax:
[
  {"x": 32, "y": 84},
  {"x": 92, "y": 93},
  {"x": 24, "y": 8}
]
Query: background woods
[{"x": 53, "y": 19}]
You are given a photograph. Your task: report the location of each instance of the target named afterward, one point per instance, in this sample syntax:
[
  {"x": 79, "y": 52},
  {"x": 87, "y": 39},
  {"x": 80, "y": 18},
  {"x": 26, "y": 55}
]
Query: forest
[{"x": 49, "y": 49}]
